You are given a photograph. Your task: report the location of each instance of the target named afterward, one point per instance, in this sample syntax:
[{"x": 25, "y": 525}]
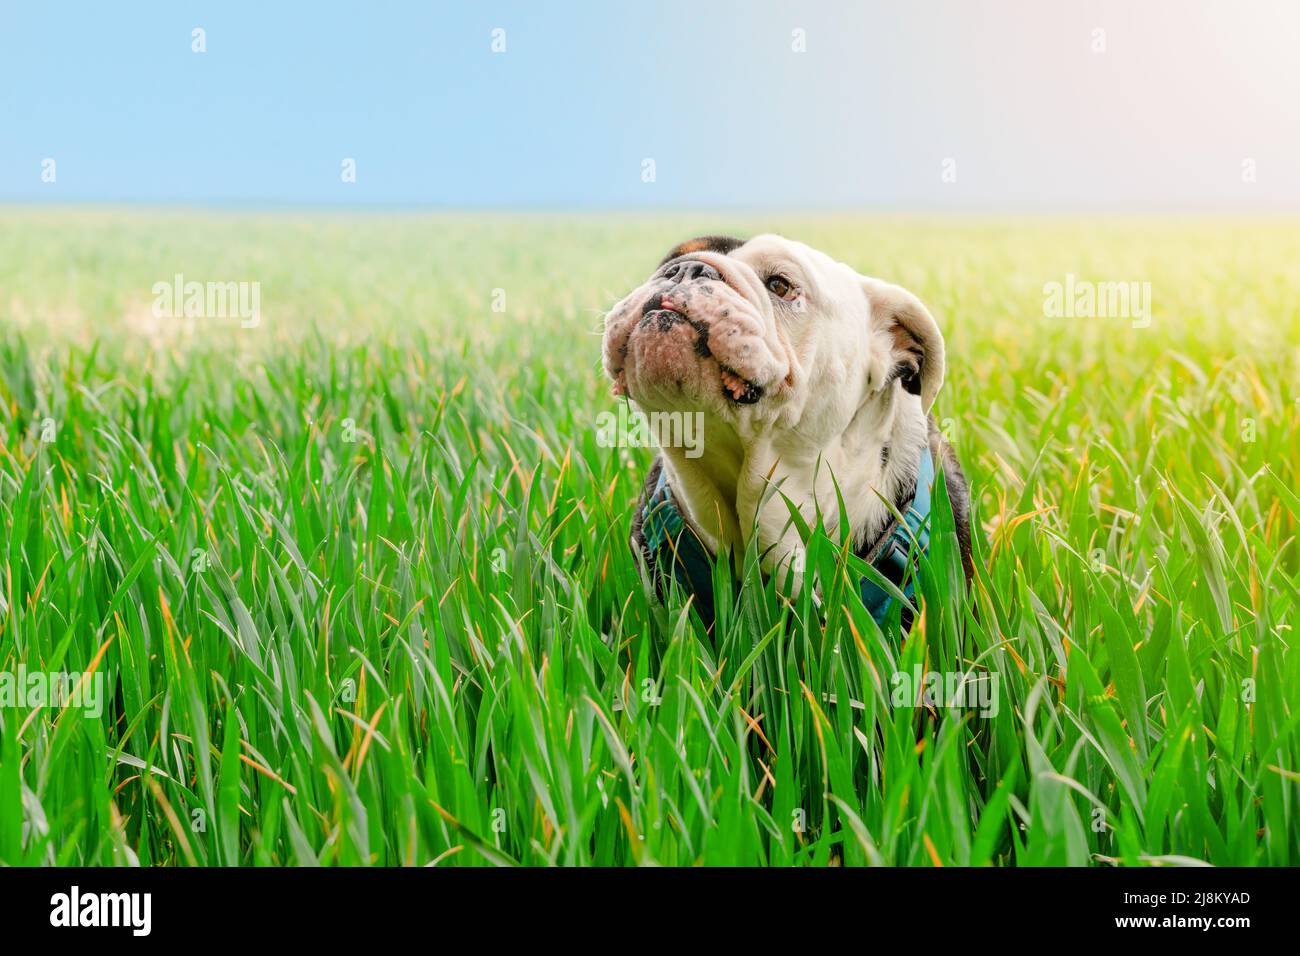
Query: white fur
[{"x": 830, "y": 404}]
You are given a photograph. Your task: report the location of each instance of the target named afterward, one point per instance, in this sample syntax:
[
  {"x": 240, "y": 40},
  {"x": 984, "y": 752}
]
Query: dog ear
[{"x": 916, "y": 344}]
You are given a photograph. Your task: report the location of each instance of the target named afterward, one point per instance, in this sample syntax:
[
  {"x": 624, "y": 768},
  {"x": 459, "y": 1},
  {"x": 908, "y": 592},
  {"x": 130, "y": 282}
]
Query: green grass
[{"x": 431, "y": 644}]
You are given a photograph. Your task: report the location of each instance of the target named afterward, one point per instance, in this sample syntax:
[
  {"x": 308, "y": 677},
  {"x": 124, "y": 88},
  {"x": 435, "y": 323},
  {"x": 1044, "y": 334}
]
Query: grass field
[{"x": 358, "y": 586}]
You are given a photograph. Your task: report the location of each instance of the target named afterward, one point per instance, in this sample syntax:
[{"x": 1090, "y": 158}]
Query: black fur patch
[
  {"x": 722, "y": 244},
  {"x": 909, "y": 360},
  {"x": 911, "y": 373}
]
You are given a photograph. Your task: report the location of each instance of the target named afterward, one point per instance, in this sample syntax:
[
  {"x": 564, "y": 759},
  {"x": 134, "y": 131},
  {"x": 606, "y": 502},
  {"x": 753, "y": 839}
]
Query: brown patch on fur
[{"x": 722, "y": 244}]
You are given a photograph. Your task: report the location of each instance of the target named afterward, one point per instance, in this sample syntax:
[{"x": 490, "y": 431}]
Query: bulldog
[{"x": 801, "y": 376}]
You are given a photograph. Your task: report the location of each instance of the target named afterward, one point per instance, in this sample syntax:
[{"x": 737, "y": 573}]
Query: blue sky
[{"x": 1183, "y": 98}]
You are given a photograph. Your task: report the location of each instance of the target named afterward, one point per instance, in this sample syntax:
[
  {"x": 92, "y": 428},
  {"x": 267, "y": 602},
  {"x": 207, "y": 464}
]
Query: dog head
[{"x": 770, "y": 335}]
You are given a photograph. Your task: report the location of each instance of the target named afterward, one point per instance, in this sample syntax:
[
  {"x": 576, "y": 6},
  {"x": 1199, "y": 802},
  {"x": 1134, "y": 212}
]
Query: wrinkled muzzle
[{"x": 690, "y": 336}]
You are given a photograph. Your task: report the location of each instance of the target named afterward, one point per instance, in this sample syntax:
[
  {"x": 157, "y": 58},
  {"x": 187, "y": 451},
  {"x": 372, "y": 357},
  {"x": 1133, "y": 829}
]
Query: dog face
[{"x": 769, "y": 335}]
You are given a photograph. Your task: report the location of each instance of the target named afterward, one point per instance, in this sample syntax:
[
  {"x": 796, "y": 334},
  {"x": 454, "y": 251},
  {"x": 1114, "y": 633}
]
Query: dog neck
[{"x": 735, "y": 489}]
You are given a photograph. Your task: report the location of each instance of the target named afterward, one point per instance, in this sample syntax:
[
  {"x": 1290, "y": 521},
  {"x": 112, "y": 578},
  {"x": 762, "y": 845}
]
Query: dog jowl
[{"x": 807, "y": 376}]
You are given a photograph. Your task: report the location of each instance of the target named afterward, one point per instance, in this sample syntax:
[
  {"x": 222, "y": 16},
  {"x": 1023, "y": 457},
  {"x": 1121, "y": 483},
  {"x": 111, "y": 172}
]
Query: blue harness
[{"x": 670, "y": 540}]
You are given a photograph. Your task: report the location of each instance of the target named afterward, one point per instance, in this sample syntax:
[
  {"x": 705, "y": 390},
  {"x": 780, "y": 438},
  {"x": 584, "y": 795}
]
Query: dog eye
[{"x": 781, "y": 287}]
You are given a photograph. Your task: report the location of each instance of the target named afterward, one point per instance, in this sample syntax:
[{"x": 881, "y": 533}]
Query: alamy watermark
[
  {"x": 31, "y": 689},
  {"x": 133, "y": 911},
  {"x": 1080, "y": 299},
  {"x": 208, "y": 300},
  {"x": 947, "y": 689},
  {"x": 632, "y": 428}
]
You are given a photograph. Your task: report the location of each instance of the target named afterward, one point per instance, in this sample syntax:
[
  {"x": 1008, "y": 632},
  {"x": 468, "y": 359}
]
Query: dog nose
[{"x": 688, "y": 270}]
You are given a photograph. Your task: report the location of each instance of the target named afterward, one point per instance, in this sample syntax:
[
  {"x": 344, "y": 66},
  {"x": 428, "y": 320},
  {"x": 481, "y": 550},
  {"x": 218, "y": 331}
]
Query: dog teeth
[{"x": 734, "y": 384}]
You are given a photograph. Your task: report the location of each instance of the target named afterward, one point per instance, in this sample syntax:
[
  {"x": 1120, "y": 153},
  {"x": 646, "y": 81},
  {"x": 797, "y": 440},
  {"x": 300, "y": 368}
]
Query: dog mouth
[{"x": 736, "y": 388}]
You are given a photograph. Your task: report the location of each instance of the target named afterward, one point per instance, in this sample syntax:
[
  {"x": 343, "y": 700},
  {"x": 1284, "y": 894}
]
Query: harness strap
[
  {"x": 669, "y": 539},
  {"x": 892, "y": 555}
]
